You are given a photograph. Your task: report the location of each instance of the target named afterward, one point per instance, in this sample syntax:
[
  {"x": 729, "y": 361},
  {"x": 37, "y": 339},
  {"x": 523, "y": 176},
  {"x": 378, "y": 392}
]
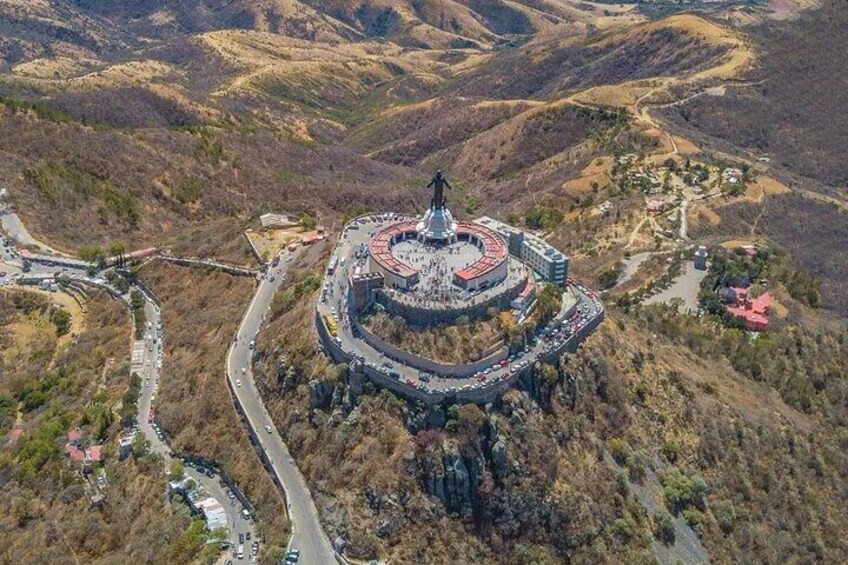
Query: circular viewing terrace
[{"x": 477, "y": 259}]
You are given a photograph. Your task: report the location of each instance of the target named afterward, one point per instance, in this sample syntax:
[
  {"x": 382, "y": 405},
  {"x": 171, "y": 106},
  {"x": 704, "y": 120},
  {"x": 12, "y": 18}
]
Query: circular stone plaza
[{"x": 432, "y": 270}]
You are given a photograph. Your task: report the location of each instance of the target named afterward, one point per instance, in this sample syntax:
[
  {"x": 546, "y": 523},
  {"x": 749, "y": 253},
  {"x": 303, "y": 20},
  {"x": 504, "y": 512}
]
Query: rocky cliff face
[{"x": 453, "y": 478}]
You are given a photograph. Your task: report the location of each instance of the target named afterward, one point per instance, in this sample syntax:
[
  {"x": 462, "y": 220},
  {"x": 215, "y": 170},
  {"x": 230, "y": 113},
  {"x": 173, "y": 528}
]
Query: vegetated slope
[
  {"x": 790, "y": 116},
  {"x": 407, "y": 134},
  {"x": 529, "y": 479},
  {"x": 97, "y": 27},
  {"x": 526, "y": 140},
  {"x": 235, "y": 123},
  {"x": 75, "y": 185},
  {"x": 812, "y": 232},
  {"x": 47, "y": 517},
  {"x": 551, "y": 67},
  {"x": 434, "y": 23},
  {"x": 93, "y": 26},
  {"x": 194, "y": 405}
]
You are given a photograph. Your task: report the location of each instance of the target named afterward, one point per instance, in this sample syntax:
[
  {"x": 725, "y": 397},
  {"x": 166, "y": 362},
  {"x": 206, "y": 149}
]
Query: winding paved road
[
  {"x": 307, "y": 533},
  {"x": 15, "y": 229},
  {"x": 149, "y": 369}
]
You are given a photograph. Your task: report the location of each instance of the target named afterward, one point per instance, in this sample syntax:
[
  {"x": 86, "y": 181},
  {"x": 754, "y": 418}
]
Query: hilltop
[{"x": 666, "y": 437}]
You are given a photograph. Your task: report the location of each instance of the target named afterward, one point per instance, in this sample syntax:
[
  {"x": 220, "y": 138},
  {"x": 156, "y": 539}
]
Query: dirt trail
[{"x": 635, "y": 233}]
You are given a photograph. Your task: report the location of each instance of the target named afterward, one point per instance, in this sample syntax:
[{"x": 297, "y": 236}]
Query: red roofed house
[
  {"x": 525, "y": 297},
  {"x": 74, "y": 452},
  {"x": 654, "y": 206},
  {"x": 75, "y": 436},
  {"x": 753, "y": 310},
  {"x": 94, "y": 454}
]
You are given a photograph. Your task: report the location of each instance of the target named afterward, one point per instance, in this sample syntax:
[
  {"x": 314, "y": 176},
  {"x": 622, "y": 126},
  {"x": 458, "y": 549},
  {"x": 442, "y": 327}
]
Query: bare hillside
[{"x": 791, "y": 114}]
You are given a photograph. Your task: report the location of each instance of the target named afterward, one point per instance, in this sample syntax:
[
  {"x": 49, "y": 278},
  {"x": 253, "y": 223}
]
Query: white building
[
  {"x": 544, "y": 259},
  {"x": 535, "y": 252},
  {"x": 269, "y": 221}
]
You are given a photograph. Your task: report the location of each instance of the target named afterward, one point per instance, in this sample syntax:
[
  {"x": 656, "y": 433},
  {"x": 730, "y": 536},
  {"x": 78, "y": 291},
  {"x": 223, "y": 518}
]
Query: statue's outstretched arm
[
  {"x": 447, "y": 184},
  {"x": 430, "y": 184}
]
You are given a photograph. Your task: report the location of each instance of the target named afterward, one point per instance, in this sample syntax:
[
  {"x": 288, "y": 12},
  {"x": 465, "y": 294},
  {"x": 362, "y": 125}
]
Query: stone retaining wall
[
  {"x": 424, "y": 316},
  {"x": 424, "y": 364},
  {"x": 482, "y": 395}
]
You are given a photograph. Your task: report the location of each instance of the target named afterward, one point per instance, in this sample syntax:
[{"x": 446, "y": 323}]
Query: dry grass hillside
[
  {"x": 145, "y": 124},
  {"x": 666, "y": 438},
  {"x": 788, "y": 114},
  {"x": 194, "y": 405},
  {"x": 48, "y": 388},
  {"x": 552, "y": 66}
]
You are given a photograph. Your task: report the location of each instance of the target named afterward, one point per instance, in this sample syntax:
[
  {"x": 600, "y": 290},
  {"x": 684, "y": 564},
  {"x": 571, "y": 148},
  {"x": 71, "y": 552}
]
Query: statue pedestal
[{"x": 437, "y": 225}]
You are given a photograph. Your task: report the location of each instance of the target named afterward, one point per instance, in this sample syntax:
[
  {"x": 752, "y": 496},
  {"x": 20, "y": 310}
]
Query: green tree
[
  {"x": 548, "y": 373},
  {"x": 140, "y": 446},
  {"x": 664, "y": 527},
  {"x": 177, "y": 469},
  {"x": 92, "y": 254},
  {"x": 549, "y": 302},
  {"x": 117, "y": 248},
  {"x": 307, "y": 222},
  {"x": 681, "y": 491},
  {"x": 62, "y": 320},
  {"x": 469, "y": 421}
]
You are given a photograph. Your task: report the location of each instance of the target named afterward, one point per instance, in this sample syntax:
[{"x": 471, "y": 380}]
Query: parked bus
[{"x": 332, "y": 326}]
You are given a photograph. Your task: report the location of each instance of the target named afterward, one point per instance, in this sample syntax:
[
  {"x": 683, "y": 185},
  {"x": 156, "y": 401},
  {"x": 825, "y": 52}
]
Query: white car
[
  {"x": 238, "y": 383},
  {"x": 268, "y": 429},
  {"x": 243, "y": 370}
]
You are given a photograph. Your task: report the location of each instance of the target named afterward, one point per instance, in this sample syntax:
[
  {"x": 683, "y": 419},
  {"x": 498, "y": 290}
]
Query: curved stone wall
[
  {"x": 425, "y": 317},
  {"x": 424, "y": 364},
  {"x": 482, "y": 395}
]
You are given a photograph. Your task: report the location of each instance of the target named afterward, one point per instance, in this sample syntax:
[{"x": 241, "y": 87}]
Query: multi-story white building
[
  {"x": 547, "y": 261},
  {"x": 544, "y": 259}
]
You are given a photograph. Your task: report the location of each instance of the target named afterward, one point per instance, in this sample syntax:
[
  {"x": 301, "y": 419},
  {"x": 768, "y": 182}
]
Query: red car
[
  {"x": 504, "y": 363},
  {"x": 481, "y": 378}
]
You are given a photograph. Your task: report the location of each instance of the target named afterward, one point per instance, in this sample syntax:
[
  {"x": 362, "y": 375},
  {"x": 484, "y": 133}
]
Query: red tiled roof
[
  {"x": 380, "y": 249},
  {"x": 75, "y": 434},
  {"x": 494, "y": 250},
  {"x": 528, "y": 289},
  {"x": 753, "y": 310},
  {"x": 93, "y": 453},
  {"x": 74, "y": 452}
]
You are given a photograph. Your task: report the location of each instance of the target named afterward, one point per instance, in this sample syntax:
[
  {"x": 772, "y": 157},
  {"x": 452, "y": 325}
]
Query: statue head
[{"x": 438, "y": 172}]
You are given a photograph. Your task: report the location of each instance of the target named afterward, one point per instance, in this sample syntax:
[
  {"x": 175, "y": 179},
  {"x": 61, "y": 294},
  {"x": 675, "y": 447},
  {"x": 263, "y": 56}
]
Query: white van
[{"x": 240, "y": 551}]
